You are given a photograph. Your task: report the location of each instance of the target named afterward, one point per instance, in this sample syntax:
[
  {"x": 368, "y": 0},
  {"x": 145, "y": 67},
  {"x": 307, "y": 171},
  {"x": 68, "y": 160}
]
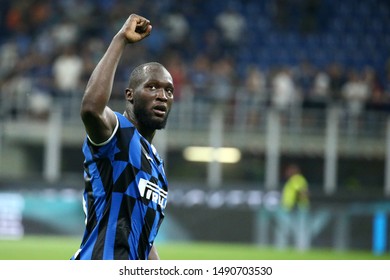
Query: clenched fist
[{"x": 136, "y": 28}]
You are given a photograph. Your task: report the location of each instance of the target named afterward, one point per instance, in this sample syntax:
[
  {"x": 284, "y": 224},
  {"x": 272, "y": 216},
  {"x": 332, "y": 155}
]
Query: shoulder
[
  {"x": 121, "y": 123},
  {"x": 122, "y": 119}
]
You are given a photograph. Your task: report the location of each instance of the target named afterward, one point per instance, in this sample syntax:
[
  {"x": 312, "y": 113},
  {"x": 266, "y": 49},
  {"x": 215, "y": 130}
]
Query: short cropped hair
[{"x": 138, "y": 74}]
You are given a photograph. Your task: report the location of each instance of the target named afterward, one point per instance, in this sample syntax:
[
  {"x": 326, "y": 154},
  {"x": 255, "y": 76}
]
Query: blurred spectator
[
  {"x": 8, "y": 58},
  {"x": 45, "y": 44},
  {"x": 200, "y": 80},
  {"x": 67, "y": 73},
  {"x": 177, "y": 29},
  {"x": 15, "y": 17},
  {"x": 375, "y": 87},
  {"x": 40, "y": 13},
  {"x": 295, "y": 194},
  {"x": 39, "y": 103},
  {"x": 386, "y": 88},
  {"x": 67, "y": 69},
  {"x": 65, "y": 33},
  {"x": 283, "y": 92},
  {"x": 79, "y": 11},
  {"x": 355, "y": 93},
  {"x": 17, "y": 22},
  {"x": 21, "y": 84},
  {"x": 321, "y": 87},
  {"x": 14, "y": 90},
  {"x": 251, "y": 98},
  {"x": 222, "y": 84},
  {"x": 337, "y": 80},
  {"x": 232, "y": 25},
  {"x": 40, "y": 98},
  {"x": 294, "y": 206},
  {"x": 304, "y": 77},
  {"x": 200, "y": 77}
]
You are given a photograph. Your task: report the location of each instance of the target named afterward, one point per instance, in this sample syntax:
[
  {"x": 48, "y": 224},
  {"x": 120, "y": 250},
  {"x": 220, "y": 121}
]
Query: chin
[
  {"x": 155, "y": 124},
  {"x": 161, "y": 125},
  {"x": 151, "y": 121}
]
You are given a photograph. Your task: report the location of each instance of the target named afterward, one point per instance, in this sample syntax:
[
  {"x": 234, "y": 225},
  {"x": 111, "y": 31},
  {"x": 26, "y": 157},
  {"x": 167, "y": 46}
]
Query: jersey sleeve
[
  {"x": 110, "y": 138},
  {"x": 101, "y": 150}
]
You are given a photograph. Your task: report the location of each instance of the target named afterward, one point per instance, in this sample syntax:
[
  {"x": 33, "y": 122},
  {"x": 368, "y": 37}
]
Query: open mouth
[{"x": 160, "y": 110}]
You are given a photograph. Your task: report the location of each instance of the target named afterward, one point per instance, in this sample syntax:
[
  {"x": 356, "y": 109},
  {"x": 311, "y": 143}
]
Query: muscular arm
[{"x": 99, "y": 120}]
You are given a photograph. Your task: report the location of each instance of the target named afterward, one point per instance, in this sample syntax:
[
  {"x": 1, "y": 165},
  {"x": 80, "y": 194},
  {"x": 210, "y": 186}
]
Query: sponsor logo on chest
[{"x": 152, "y": 192}]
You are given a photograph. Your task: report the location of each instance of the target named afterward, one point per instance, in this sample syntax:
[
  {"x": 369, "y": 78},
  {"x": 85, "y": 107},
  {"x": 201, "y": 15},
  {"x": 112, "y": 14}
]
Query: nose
[{"x": 162, "y": 94}]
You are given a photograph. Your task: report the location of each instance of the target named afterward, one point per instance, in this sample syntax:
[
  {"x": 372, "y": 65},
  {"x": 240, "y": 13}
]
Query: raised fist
[{"x": 136, "y": 28}]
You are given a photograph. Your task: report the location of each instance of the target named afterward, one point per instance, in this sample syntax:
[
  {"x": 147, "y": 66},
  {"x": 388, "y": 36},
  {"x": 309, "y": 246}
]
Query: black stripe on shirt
[
  {"x": 144, "y": 238},
  {"x": 121, "y": 246}
]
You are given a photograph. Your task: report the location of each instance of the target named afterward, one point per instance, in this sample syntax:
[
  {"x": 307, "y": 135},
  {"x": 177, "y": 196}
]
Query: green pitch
[{"x": 62, "y": 248}]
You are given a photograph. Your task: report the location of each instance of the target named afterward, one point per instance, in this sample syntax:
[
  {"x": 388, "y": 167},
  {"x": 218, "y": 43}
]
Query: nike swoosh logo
[{"x": 146, "y": 154}]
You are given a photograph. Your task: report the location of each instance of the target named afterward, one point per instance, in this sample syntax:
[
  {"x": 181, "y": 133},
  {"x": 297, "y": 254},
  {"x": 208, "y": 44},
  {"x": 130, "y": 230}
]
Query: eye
[{"x": 169, "y": 91}]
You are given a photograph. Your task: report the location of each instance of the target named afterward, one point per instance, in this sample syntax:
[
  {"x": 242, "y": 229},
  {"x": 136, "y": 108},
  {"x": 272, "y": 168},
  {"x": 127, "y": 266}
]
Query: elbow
[
  {"x": 89, "y": 109},
  {"x": 86, "y": 108}
]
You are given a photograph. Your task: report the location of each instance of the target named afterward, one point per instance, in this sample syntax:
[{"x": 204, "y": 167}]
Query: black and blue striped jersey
[{"x": 125, "y": 196}]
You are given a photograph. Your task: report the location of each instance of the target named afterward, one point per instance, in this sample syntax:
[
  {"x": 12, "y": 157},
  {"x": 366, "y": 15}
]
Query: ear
[{"x": 129, "y": 93}]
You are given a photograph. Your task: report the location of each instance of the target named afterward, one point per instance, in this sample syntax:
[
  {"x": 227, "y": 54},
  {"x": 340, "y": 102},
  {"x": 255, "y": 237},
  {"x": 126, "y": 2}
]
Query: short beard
[{"x": 145, "y": 120}]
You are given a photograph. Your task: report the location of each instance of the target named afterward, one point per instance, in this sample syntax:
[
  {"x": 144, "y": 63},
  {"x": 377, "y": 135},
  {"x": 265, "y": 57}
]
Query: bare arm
[
  {"x": 153, "y": 255},
  {"x": 99, "y": 120}
]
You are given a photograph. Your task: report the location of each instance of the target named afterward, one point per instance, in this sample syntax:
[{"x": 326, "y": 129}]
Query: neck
[{"x": 148, "y": 134}]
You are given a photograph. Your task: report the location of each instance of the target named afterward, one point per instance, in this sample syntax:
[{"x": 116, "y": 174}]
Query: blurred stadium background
[{"x": 305, "y": 81}]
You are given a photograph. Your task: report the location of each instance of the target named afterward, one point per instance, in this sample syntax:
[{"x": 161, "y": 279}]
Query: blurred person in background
[
  {"x": 222, "y": 87},
  {"x": 304, "y": 77},
  {"x": 284, "y": 93},
  {"x": 231, "y": 25},
  {"x": 125, "y": 184},
  {"x": 295, "y": 193},
  {"x": 386, "y": 89},
  {"x": 294, "y": 205},
  {"x": 375, "y": 86},
  {"x": 251, "y": 99},
  {"x": 355, "y": 93},
  {"x": 336, "y": 75},
  {"x": 285, "y": 98},
  {"x": 177, "y": 28},
  {"x": 67, "y": 73},
  {"x": 320, "y": 91},
  {"x": 199, "y": 77}
]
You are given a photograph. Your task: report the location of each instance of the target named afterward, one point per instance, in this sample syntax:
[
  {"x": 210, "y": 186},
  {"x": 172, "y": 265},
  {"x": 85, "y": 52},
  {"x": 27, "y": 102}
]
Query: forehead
[{"x": 157, "y": 73}]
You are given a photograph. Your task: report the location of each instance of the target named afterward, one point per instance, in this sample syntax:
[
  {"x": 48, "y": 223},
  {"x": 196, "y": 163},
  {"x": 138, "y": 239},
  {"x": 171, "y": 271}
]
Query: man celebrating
[{"x": 125, "y": 185}]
